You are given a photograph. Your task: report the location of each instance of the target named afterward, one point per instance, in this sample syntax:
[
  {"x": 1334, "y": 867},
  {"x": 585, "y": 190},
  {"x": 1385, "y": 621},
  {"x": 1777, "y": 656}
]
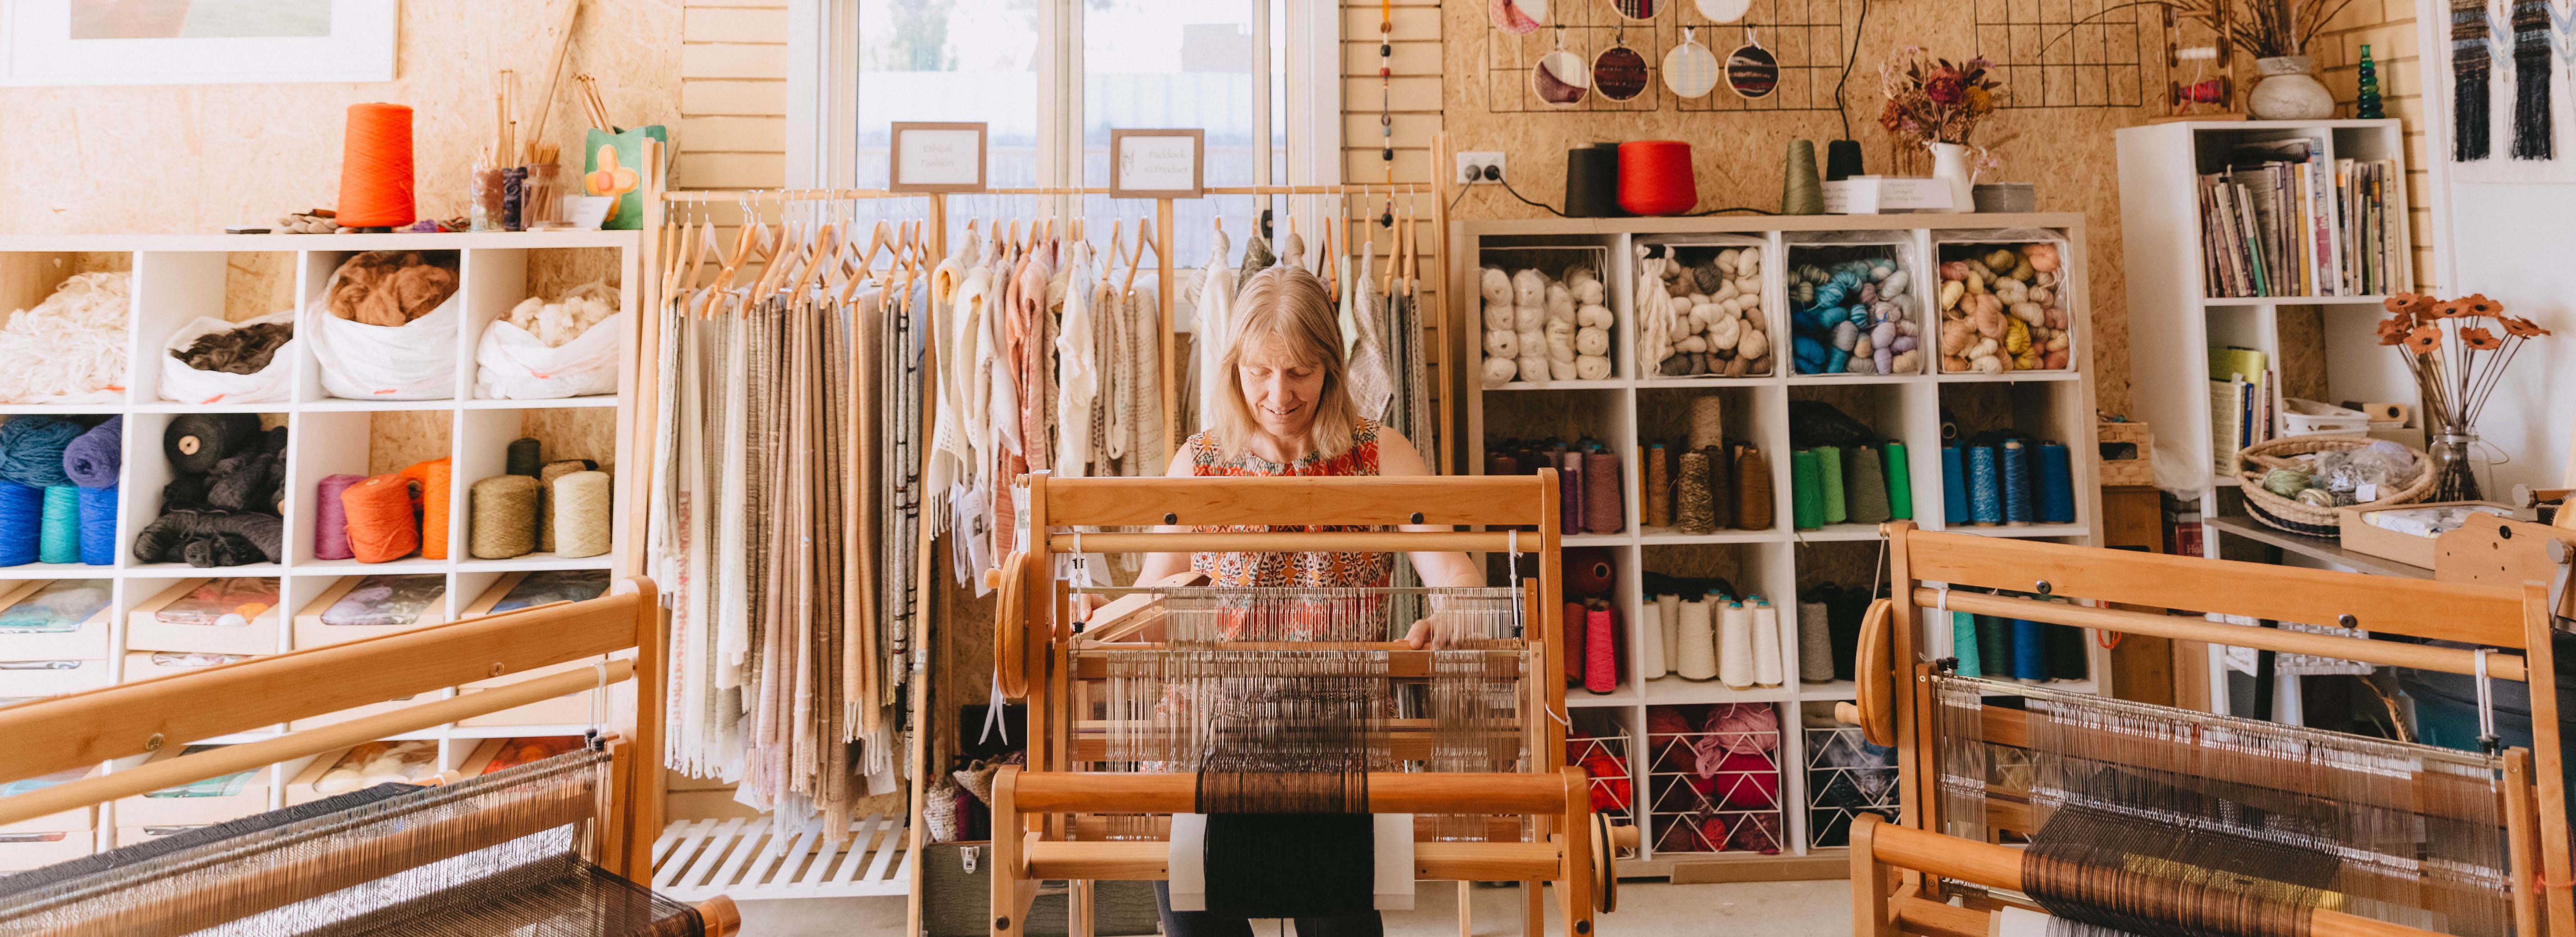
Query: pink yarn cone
[{"x": 1600, "y": 651}]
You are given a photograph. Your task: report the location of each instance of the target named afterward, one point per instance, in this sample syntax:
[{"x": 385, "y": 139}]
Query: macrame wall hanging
[
  {"x": 2531, "y": 66},
  {"x": 2470, "y": 66}
]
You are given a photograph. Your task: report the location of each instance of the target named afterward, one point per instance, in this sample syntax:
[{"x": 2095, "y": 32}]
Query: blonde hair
[{"x": 1289, "y": 304}]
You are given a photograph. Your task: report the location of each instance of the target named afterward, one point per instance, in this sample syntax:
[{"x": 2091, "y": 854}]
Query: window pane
[
  {"x": 1172, "y": 63},
  {"x": 950, "y": 60}
]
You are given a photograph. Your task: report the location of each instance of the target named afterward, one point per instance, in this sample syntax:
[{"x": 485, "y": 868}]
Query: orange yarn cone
[
  {"x": 432, "y": 476},
  {"x": 381, "y": 528},
  {"x": 376, "y": 167}
]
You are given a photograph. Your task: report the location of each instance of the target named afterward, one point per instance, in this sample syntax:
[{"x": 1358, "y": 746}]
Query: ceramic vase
[
  {"x": 1950, "y": 165},
  {"x": 2289, "y": 90}
]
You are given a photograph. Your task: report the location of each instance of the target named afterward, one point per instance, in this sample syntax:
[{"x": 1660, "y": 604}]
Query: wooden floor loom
[
  {"x": 551, "y": 847},
  {"x": 1110, "y": 751},
  {"x": 2156, "y": 820}
]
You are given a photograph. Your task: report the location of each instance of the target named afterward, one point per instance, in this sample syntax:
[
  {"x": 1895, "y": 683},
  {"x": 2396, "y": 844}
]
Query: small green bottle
[{"x": 2365, "y": 104}]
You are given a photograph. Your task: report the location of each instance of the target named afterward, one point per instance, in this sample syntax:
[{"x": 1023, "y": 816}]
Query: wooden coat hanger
[{"x": 1136, "y": 260}]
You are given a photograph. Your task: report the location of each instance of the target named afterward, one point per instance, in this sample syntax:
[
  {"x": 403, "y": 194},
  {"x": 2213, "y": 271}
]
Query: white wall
[{"x": 2515, "y": 242}]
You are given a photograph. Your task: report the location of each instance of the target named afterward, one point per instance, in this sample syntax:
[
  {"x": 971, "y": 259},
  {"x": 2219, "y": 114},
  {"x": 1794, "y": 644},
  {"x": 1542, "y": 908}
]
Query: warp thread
[
  {"x": 381, "y": 525},
  {"x": 1829, "y": 479},
  {"x": 580, "y": 505},
  {"x": 98, "y": 526},
  {"x": 195, "y": 442},
  {"x": 1659, "y": 487},
  {"x": 31, "y": 449},
  {"x": 1807, "y": 489},
  {"x": 1735, "y": 646},
  {"x": 504, "y": 512},
  {"x": 527, "y": 456},
  {"x": 58, "y": 533},
  {"x": 331, "y": 517},
  {"x": 434, "y": 483},
  {"x": 2470, "y": 67},
  {"x": 2016, "y": 483},
  {"x": 1954, "y": 485},
  {"x": 2056, "y": 491},
  {"x": 22, "y": 510},
  {"x": 1815, "y": 644},
  {"x": 2532, "y": 130},
  {"x": 1693, "y": 512},
  {"x": 1603, "y": 511},
  {"x": 1753, "y": 509},
  {"x": 376, "y": 167},
  {"x": 93, "y": 458},
  {"x": 1900, "y": 482},
  {"x": 1865, "y": 485},
  {"x": 1985, "y": 501},
  {"x": 1696, "y": 641}
]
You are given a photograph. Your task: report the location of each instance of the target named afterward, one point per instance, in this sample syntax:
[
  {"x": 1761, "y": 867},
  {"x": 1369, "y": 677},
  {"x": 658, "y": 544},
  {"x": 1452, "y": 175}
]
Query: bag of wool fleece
[
  {"x": 544, "y": 350},
  {"x": 214, "y": 361}
]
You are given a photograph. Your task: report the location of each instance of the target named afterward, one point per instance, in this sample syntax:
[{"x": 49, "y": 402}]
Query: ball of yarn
[
  {"x": 195, "y": 442},
  {"x": 31, "y": 449},
  {"x": 1748, "y": 782},
  {"x": 580, "y": 505},
  {"x": 504, "y": 517},
  {"x": 98, "y": 526},
  {"x": 94, "y": 457},
  {"x": 58, "y": 533},
  {"x": 331, "y": 517},
  {"x": 381, "y": 526}
]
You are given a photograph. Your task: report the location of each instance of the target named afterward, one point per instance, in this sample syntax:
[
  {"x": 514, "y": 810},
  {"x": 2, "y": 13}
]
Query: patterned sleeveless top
[{"x": 1306, "y": 570}]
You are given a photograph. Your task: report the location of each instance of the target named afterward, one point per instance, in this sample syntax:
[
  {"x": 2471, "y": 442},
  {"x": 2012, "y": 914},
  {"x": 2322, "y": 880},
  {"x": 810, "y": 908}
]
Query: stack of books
[
  {"x": 2281, "y": 222},
  {"x": 2244, "y": 404}
]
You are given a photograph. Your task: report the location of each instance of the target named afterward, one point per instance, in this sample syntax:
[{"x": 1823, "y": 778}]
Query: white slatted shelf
[{"x": 749, "y": 860}]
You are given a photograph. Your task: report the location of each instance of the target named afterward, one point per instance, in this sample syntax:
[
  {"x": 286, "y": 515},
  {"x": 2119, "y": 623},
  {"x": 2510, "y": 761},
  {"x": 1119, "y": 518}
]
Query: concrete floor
[{"x": 1769, "y": 909}]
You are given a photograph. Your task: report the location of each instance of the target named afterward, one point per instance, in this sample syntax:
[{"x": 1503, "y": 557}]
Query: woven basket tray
[{"x": 2253, "y": 462}]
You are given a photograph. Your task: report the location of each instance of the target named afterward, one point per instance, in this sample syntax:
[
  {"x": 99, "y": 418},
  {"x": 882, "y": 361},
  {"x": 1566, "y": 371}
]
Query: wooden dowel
[
  {"x": 2386, "y": 653},
  {"x": 227, "y": 759},
  {"x": 1150, "y": 861},
  {"x": 1355, "y": 542},
  {"x": 1108, "y": 792}
]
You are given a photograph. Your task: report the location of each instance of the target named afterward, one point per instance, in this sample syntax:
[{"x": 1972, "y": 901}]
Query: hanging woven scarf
[
  {"x": 2532, "y": 134},
  {"x": 2470, "y": 66}
]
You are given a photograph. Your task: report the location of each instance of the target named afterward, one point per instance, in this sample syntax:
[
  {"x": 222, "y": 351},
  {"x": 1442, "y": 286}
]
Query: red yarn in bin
[
  {"x": 1612, "y": 792},
  {"x": 1655, "y": 178},
  {"x": 1748, "y": 782}
]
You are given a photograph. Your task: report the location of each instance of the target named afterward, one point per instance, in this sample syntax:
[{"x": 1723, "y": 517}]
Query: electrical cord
[
  {"x": 1495, "y": 176},
  {"x": 1859, "y": 24}
]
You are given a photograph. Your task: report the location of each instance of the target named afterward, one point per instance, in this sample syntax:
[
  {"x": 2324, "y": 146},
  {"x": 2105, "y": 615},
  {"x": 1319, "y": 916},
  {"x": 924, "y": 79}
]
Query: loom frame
[
  {"x": 1923, "y": 563},
  {"x": 143, "y": 717},
  {"x": 1039, "y": 811}
]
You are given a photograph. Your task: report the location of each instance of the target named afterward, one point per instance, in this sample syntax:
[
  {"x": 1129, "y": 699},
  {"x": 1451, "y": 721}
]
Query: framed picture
[
  {"x": 195, "y": 42},
  {"x": 1157, "y": 163},
  {"x": 936, "y": 157}
]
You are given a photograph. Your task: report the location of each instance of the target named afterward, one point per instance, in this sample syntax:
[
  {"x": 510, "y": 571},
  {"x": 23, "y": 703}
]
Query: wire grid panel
[
  {"x": 1846, "y": 777},
  {"x": 1732, "y": 807},
  {"x": 1805, "y": 36},
  {"x": 2066, "y": 53}
]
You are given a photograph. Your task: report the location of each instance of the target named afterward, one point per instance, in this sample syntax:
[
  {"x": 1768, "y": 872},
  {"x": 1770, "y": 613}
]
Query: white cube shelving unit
[
  {"x": 178, "y": 278},
  {"x": 1627, "y": 410}
]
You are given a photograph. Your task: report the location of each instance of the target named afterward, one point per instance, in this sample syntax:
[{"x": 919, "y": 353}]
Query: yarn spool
[
  {"x": 2065, "y": 651},
  {"x": 431, "y": 487},
  {"x": 1721, "y": 487},
  {"x": 1753, "y": 509},
  {"x": 1707, "y": 422},
  {"x": 1829, "y": 484},
  {"x": 1842, "y": 160},
  {"x": 93, "y": 458},
  {"x": 528, "y": 456},
  {"x": 1806, "y": 490},
  {"x": 1865, "y": 485},
  {"x": 1802, "y": 191},
  {"x": 546, "y": 496},
  {"x": 580, "y": 505},
  {"x": 31, "y": 450},
  {"x": 1589, "y": 572},
  {"x": 331, "y": 517},
  {"x": 1995, "y": 645},
  {"x": 1652, "y": 657},
  {"x": 2016, "y": 483},
  {"x": 376, "y": 167},
  {"x": 1655, "y": 178},
  {"x": 1815, "y": 644},
  {"x": 1569, "y": 491},
  {"x": 1600, "y": 648},
  {"x": 22, "y": 510},
  {"x": 1576, "y": 635},
  {"x": 58, "y": 526},
  {"x": 1497, "y": 463},
  {"x": 1693, "y": 512},
  {"x": 1985, "y": 500},
  {"x": 504, "y": 512},
  {"x": 1659, "y": 487},
  {"x": 1696, "y": 641},
  {"x": 1603, "y": 510},
  {"x": 1766, "y": 643},
  {"x": 1954, "y": 485},
  {"x": 1592, "y": 181},
  {"x": 2055, "y": 492},
  {"x": 196, "y": 441},
  {"x": 1963, "y": 645},
  {"x": 1900, "y": 482},
  {"x": 1668, "y": 613},
  {"x": 98, "y": 526},
  {"x": 1735, "y": 646},
  {"x": 381, "y": 527},
  {"x": 2029, "y": 651}
]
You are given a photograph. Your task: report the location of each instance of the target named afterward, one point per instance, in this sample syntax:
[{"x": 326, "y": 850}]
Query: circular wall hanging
[
  {"x": 1560, "y": 78},
  {"x": 1690, "y": 70},
  {"x": 1751, "y": 69},
  {"x": 1619, "y": 73},
  {"x": 1634, "y": 9},
  {"x": 1723, "y": 11},
  {"x": 1517, "y": 17}
]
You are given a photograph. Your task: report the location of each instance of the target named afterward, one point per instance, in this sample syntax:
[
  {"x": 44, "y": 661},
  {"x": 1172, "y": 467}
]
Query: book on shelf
[
  {"x": 2279, "y": 220},
  {"x": 2244, "y": 406}
]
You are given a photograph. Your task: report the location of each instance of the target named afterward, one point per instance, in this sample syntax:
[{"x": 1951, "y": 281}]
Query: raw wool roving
[
  {"x": 556, "y": 323},
  {"x": 72, "y": 345},
  {"x": 391, "y": 288},
  {"x": 245, "y": 350}
]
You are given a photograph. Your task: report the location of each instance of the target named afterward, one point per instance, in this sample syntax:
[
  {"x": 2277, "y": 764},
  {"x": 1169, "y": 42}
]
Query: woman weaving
[{"x": 1289, "y": 411}]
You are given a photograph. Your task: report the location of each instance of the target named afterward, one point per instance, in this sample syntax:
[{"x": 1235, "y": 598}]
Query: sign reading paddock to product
[
  {"x": 1158, "y": 163},
  {"x": 931, "y": 157}
]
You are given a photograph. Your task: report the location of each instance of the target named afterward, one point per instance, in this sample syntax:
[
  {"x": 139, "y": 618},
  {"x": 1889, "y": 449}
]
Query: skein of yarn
[
  {"x": 376, "y": 167},
  {"x": 98, "y": 526},
  {"x": 580, "y": 504},
  {"x": 31, "y": 449},
  {"x": 381, "y": 527},
  {"x": 58, "y": 527},
  {"x": 331, "y": 517},
  {"x": 504, "y": 517},
  {"x": 196, "y": 441},
  {"x": 93, "y": 458},
  {"x": 434, "y": 483},
  {"x": 526, "y": 457},
  {"x": 22, "y": 509},
  {"x": 1696, "y": 640},
  {"x": 1735, "y": 646}
]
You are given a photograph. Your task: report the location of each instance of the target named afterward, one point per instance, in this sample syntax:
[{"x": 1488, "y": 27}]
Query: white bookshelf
[
  {"x": 178, "y": 278},
  {"x": 1628, "y": 409}
]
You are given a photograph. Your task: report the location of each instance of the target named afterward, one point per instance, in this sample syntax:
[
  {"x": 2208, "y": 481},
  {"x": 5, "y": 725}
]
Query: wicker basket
[{"x": 2253, "y": 462}]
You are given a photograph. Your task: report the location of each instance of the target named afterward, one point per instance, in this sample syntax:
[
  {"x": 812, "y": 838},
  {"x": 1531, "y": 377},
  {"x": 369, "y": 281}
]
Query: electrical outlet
[{"x": 1471, "y": 166}]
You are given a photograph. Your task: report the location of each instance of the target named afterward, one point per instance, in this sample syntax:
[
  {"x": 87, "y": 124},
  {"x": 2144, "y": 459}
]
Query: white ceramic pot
[
  {"x": 1950, "y": 165},
  {"x": 2289, "y": 90}
]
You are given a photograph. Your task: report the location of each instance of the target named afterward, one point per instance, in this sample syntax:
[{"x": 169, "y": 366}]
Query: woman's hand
[{"x": 1439, "y": 632}]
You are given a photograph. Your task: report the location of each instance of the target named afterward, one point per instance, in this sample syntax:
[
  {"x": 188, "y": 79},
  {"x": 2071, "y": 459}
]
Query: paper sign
[
  {"x": 1871, "y": 195},
  {"x": 944, "y": 157},
  {"x": 1157, "y": 163}
]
